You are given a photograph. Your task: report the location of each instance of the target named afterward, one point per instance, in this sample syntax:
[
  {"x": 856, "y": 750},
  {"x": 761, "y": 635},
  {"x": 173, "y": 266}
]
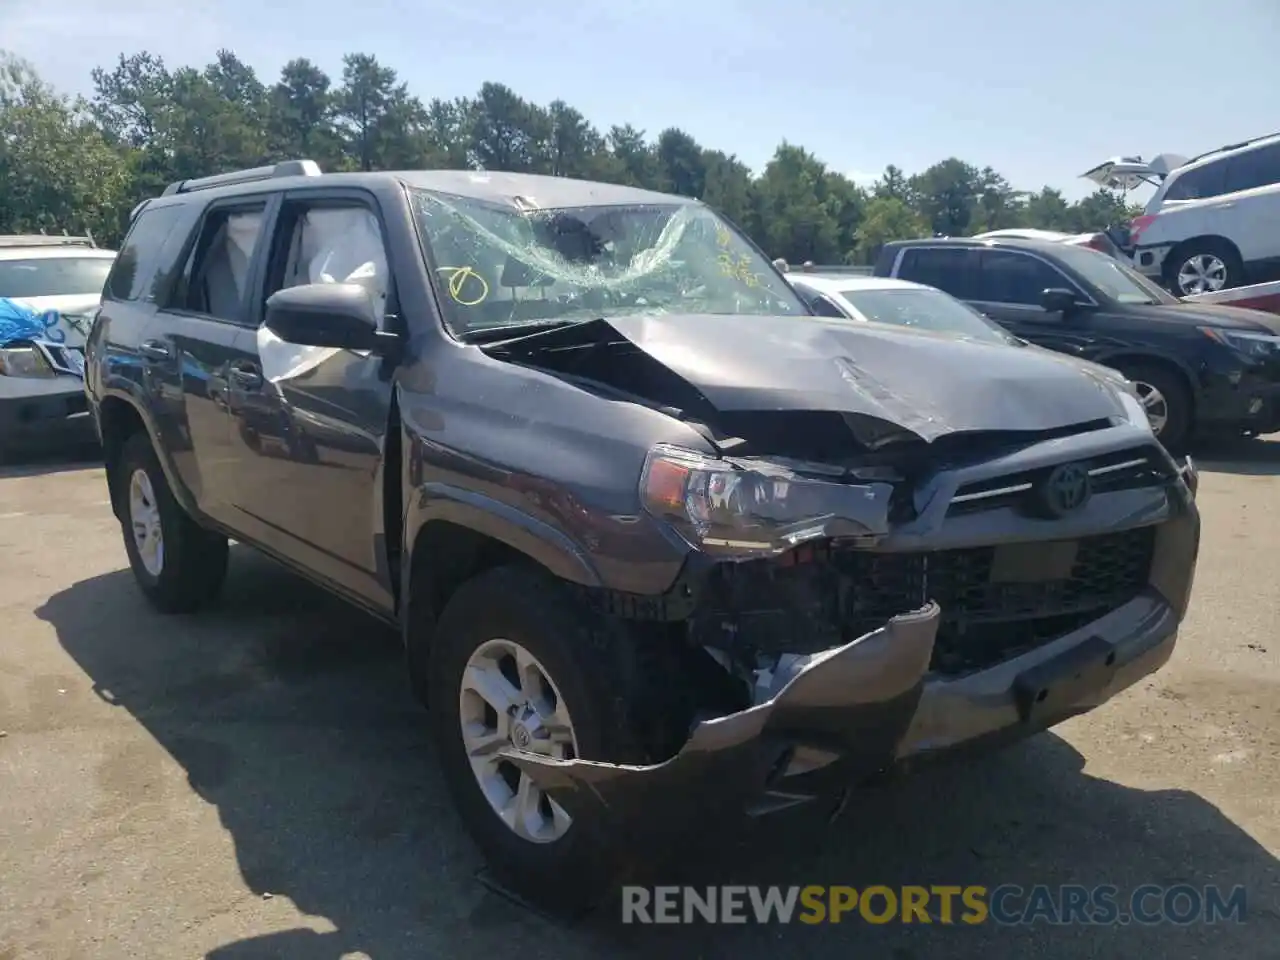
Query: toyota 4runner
[{"x": 661, "y": 543}]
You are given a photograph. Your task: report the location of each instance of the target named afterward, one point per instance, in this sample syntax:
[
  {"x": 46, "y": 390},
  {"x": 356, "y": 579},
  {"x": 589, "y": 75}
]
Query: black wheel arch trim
[
  {"x": 179, "y": 490},
  {"x": 1122, "y": 357},
  {"x": 551, "y": 548}
]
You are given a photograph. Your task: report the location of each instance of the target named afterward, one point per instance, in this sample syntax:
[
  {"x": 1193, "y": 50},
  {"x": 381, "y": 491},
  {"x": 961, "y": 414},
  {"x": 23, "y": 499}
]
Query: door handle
[
  {"x": 155, "y": 350},
  {"x": 245, "y": 376}
]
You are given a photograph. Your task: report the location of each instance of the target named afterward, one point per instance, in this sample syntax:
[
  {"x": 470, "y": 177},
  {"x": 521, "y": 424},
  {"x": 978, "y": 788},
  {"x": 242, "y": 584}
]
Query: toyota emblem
[{"x": 1066, "y": 489}]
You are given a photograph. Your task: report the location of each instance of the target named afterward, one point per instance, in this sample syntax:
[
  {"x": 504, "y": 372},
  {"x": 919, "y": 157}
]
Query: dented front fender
[{"x": 854, "y": 701}]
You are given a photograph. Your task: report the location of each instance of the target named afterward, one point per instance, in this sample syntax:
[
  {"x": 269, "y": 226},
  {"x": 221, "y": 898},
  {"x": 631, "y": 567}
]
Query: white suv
[
  {"x": 1214, "y": 222},
  {"x": 58, "y": 276}
]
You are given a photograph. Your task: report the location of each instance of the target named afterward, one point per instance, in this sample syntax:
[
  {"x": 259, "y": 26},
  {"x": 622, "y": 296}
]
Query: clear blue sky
[{"x": 1039, "y": 89}]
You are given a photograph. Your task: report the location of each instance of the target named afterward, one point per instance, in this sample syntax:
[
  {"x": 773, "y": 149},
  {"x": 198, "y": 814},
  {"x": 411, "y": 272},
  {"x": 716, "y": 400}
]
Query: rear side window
[
  {"x": 1018, "y": 278},
  {"x": 950, "y": 269},
  {"x": 216, "y": 280},
  {"x": 53, "y": 276},
  {"x": 149, "y": 257},
  {"x": 1200, "y": 183},
  {"x": 1257, "y": 168}
]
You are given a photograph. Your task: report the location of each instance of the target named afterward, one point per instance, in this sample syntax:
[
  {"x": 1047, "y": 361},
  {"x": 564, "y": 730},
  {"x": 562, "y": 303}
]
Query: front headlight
[
  {"x": 24, "y": 362},
  {"x": 750, "y": 508},
  {"x": 1259, "y": 346}
]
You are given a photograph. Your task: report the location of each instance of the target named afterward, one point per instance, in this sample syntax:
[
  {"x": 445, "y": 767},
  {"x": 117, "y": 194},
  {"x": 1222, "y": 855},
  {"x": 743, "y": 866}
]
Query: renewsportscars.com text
[{"x": 1006, "y": 905}]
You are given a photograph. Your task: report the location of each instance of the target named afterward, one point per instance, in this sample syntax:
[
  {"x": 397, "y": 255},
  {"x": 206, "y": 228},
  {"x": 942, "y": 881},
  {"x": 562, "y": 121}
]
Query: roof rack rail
[
  {"x": 1233, "y": 146},
  {"x": 42, "y": 240},
  {"x": 285, "y": 168}
]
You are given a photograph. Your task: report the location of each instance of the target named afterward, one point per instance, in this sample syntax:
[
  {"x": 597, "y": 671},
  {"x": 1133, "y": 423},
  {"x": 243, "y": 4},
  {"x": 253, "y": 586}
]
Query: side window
[
  {"x": 950, "y": 269},
  {"x": 328, "y": 242},
  {"x": 1257, "y": 168},
  {"x": 825, "y": 308},
  {"x": 1200, "y": 183},
  {"x": 819, "y": 304},
  {"x": 217, "y": 275},
  {"x": 1008, "y": 277},
  {"x": 148, "y": 257}
]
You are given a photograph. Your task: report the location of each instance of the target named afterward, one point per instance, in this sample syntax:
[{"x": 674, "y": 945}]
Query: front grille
[
  {"x": 1129, "y": 469},
  {"x": 998, "y": 602}
]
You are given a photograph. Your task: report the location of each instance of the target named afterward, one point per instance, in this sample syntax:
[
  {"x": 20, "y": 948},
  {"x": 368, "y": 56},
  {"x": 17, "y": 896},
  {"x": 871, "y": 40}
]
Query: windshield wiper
[{"x": 512, "y": 331}]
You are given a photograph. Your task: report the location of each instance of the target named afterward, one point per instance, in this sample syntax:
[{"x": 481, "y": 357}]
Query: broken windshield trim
[{"x": 660, "y": 273}]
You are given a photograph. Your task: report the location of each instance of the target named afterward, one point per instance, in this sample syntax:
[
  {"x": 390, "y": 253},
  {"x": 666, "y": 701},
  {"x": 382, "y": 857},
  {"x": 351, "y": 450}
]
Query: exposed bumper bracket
[{"x": 857, "y": 700}]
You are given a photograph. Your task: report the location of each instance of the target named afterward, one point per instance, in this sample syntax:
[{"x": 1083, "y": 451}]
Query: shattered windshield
[{"x": 499, "y": 265}]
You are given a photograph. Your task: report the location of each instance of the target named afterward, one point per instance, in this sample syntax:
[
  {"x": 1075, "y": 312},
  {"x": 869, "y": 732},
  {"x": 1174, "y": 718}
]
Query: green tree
[
  {"x": 728, "y": 188},
  {"x": 1048, "y": 210},
  {"x": 1099, "y": 210},
  {"x": 299, "y": 111},
  {"x": 159, "y": 124},
  {"x": 59, "y": 171},
  {"x": 883, "y": 220},
  {"x": 681, "y": 164},
  {"x": 893, "y": 183},
  {"x": 947, "y": 194},
  {"x": 634, "y": 161},
  {"x": 507, "y": 132},
  {"x": 795, "y": 219},
  {"x": 380, "y": 125}
]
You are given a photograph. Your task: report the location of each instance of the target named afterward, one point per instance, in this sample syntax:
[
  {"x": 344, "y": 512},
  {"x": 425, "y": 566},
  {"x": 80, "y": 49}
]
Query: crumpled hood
[{"x": 928, "y": 385}]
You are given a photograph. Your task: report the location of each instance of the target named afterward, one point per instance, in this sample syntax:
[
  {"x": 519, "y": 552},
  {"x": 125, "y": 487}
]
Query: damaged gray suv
[{"x": 662, "y": 545}]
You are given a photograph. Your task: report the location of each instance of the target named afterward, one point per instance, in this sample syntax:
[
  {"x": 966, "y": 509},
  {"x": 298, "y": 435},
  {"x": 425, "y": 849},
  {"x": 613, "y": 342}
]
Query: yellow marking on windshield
[
  {"x": 456, "y": 284},
  {"x": 739, "y": 268}
]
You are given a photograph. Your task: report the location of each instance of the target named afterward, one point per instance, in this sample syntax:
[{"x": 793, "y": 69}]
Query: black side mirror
[
  {"x": 339, "y": 315},
  {"x": 1058, "y": 300}
]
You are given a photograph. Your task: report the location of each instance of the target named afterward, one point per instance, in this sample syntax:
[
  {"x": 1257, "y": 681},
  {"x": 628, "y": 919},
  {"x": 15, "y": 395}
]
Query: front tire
[
  {"x": 1167, "y": 401},
  {"x": 178, "y": 565},
  {"x": 517, "y": 660}
]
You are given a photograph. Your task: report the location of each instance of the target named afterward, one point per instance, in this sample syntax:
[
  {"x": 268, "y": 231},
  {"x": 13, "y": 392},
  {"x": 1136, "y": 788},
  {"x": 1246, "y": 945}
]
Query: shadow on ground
[
  {"x": 288, "y": 711},
  {"x": 34, "y": 463},
  {"x": 1246, "y": 457}
]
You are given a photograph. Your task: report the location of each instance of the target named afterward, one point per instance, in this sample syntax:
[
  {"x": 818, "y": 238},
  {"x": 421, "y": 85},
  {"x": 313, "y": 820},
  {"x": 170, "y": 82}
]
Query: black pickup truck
[{"x": 662, "y": 544}]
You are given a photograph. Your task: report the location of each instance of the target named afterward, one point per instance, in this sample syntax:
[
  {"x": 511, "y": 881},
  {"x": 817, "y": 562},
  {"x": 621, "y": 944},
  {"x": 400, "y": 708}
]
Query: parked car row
[{"x": 665, "y": 543}]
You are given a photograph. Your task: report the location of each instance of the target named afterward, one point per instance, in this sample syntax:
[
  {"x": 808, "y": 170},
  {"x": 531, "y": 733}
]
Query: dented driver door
[{"x": 308, "y": 424}]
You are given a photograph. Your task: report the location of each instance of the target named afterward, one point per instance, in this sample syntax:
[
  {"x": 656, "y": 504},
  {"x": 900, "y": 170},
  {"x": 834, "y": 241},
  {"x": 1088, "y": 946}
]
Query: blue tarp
[{"x": 20, "y": 322}]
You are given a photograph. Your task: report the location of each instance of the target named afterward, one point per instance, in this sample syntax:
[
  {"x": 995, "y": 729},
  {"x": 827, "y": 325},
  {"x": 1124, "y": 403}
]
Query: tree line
[{"x": 82, "y": 163}]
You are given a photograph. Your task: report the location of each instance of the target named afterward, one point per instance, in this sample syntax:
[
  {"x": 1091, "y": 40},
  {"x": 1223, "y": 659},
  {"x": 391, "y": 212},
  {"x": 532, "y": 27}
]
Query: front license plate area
[
  {"x": 1050, "y": 688},
  {"x": 1044, "y": 562}
]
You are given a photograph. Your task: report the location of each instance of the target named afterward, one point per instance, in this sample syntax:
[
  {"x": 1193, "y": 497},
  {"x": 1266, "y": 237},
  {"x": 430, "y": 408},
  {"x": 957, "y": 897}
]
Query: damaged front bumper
[{"x": 856, "y": 711}]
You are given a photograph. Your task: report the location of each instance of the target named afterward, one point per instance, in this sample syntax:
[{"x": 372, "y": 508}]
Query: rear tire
[
  {"x": 598, "y": 683},
  {"x": 1203, "y": 266},
  {"x": 178, "y": 565},
  {"x": 1165, "y": 393}
]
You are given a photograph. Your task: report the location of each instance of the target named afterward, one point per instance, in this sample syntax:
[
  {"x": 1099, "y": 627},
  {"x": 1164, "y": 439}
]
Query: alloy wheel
[
  {"x": 508, "y": 701},
  {"x": 1203, "y": 273},
  {"x": 1155, "y": 404},
  {"x": 144, "y": 521}
]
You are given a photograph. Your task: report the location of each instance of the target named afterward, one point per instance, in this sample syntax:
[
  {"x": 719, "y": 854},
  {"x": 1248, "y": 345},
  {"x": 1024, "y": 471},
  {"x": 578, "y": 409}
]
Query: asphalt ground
[{"x": 256, "y": 781}]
